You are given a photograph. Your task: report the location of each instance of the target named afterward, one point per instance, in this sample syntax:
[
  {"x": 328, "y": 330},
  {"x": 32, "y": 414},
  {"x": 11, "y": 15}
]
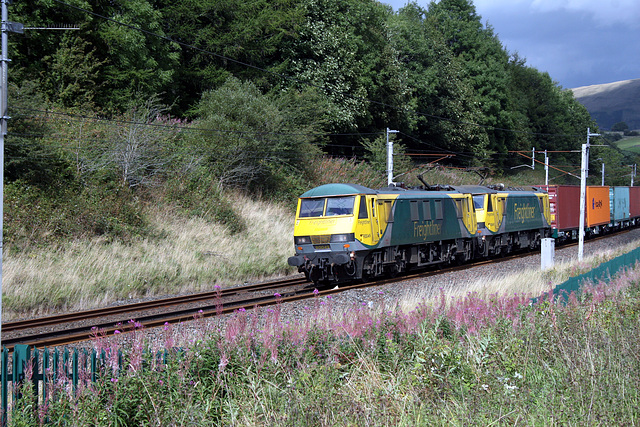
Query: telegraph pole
[
  {"x": 583, "y": 191},
  {"x": 3, "y": 132},
  {"x": 546, "y": 168},
  {"x": 390, "y": 157},
  {"x": 7, "y": 26}
]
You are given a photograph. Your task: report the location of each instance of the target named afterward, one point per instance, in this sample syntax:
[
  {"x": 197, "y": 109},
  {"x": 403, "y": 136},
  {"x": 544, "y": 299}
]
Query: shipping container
[
  {"x": 564, "y": 202},
  {"x": 634, "y": 202},
  {"x": 597, "y": 206},
  {"x": 619, "y": 202}
]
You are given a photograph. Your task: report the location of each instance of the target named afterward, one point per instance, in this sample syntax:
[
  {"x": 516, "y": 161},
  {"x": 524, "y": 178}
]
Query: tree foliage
[{"x": 207, "y": 94}]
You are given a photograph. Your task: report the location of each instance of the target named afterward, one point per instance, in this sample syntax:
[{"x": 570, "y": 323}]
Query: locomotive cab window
[
  {"x": 362, "y": 211},
  {"x": 478, "y": 201},
  {"x": 311, "y": 208},
  {"x": 340, "y": 205},
  {"x": 330, "y": 206}
]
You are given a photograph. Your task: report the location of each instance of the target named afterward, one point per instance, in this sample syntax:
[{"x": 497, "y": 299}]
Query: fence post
[
  {"x": 5, "y": 385},
  {"x": 65, "y": 364},
  {"x": 74, "y": 370},
  {"x": 55, "y": 365},
  {"x": 94, "y": 365},
  {"x": 21, "y": 356},
  {"x": 46, "y": 367},
  {"x": 35, "y": 376}
]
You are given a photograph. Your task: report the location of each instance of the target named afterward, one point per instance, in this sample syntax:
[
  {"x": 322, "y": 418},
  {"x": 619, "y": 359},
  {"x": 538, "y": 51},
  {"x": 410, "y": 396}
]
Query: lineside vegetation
[{"x": 476, "y": 360}]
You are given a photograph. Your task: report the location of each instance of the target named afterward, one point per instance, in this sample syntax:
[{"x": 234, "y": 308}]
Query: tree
[
  {"x": 620, "y": 127},
  {"x": 483, "y": 66},
  {"x": 343, "y": 48},
  {"x": 140, "y": 149},
  {"x": 447, "y": 111},
  {"x": 30, "y": 156},
  {"x": 246, "y": 136},
  {"x": 108, "y": 49},
  {"x": 376, "y": 155},
  {"x": 72, "y": 79}
]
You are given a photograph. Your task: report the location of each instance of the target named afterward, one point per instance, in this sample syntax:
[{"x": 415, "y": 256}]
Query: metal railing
[{"x": 47, "y": 369}]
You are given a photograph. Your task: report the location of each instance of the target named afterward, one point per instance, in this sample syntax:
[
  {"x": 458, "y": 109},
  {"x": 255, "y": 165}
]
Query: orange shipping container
[{"x": 597, "y": 206}]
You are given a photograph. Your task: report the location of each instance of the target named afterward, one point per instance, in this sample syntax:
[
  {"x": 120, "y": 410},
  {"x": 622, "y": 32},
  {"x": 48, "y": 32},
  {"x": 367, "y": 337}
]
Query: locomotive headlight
[
  {"x": 302, "y": 240},
  {"x": 341, "y": 238}
]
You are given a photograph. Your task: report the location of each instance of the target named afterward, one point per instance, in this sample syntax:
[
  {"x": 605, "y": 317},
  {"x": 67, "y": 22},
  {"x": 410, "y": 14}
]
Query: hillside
[{"x": 612, "y": 102}]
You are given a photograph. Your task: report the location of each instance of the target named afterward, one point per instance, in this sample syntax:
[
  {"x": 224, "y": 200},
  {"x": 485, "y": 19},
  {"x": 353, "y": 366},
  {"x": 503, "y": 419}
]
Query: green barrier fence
[
  {"x": 45, "y": 368},
  {"x": 603, "y": 272}
]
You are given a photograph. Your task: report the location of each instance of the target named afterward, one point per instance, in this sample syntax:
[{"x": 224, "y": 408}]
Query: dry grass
[
  {"x": 193, "y": 255},
  {"x": 528, "y": 281}
]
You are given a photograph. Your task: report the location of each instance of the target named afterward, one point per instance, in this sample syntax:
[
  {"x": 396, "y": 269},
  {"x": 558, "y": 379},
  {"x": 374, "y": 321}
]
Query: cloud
[
  {"x": 578, "y": 42},
  {"x": 602, "y": 12}
]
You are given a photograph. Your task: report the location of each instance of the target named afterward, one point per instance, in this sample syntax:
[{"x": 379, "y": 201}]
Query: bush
[
  {"x": 37, "y": 216},
  {"x": 199, "y": 195}
]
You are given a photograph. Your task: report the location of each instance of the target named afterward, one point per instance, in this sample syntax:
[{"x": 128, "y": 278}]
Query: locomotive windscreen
[{"x": 334, "y": 206}]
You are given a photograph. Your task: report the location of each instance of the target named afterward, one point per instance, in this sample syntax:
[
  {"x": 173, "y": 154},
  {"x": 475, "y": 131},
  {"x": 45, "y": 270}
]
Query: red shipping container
[
  {"x": 634, "y": 202},
  {"x": 564, "y": 201}
]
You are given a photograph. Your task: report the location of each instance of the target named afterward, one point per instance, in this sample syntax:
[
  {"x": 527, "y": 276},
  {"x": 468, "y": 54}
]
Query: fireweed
[{"x": 468, "y": 360}]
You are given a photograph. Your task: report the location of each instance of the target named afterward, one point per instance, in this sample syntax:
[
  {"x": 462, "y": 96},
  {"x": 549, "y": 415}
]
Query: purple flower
[{"x": 116, "y": 332}]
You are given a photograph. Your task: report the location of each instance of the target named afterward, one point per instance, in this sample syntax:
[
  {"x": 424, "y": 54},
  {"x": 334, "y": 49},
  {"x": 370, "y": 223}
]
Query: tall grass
[
  {"x": 471, "y": 361},
  {"x": 189, "y": 254}
]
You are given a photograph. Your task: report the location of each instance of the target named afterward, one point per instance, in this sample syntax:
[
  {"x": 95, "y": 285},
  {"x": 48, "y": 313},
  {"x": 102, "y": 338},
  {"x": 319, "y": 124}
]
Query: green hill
[{"x": 611, "y": 103}]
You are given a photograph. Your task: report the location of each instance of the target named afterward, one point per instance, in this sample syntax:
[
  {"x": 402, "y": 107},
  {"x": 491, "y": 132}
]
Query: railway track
[
  {"x": 65, "y": 329},
  {"x": 69, "y": 328},
  {"x": 80, "y": 326}
]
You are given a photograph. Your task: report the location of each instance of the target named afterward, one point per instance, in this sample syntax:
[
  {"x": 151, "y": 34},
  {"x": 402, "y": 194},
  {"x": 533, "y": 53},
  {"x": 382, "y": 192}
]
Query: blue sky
[{"x": 578, "y": 42}]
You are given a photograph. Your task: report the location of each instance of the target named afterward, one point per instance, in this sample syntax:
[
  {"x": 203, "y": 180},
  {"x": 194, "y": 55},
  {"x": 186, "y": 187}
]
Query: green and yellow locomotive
[{"x": 345, "y": 232}]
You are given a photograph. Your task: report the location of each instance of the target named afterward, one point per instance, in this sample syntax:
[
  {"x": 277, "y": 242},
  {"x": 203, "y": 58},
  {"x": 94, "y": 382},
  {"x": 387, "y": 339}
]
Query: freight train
[{"x": 346, "y": 232}]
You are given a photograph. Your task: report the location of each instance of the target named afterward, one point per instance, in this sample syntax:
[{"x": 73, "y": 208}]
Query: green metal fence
[
  {"x": 46, "y": 368},
  {"x": 603, "y": 272}
]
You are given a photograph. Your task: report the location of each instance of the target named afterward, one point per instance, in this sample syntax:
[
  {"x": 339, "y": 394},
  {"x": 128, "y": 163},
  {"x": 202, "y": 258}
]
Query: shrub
[{"x": 37, "y": 216}]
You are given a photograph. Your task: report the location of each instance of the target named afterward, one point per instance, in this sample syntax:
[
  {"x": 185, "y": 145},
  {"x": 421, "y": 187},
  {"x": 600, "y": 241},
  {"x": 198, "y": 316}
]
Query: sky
[{"x": 578, "y": 42}]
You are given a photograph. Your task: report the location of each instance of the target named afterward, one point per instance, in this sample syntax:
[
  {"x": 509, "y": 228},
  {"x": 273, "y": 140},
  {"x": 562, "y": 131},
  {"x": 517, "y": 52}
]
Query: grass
[
  {"x": 631, "y": 143},
  {"x": 471, "y": 361},
  {"x": 191, "y": 255}
]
